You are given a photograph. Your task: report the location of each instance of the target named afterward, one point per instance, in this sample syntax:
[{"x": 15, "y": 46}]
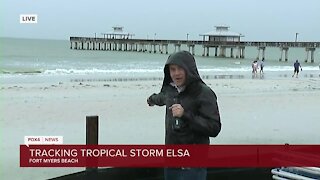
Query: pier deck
[{"x": 161, "y": 45}]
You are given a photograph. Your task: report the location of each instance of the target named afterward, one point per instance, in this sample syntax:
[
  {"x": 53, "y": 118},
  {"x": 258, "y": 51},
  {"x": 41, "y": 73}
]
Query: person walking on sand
[
  {"x": 296, "y": 66},
  {"x": 192, "y": 114}
]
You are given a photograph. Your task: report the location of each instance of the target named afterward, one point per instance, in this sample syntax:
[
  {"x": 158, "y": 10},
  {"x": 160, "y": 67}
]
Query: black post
[{"x": 92, "y": 131}]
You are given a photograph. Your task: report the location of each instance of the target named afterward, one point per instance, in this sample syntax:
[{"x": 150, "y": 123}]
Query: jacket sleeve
[
  {"x": 157, "y": 99},
  {"x": 206, "y": 120}
]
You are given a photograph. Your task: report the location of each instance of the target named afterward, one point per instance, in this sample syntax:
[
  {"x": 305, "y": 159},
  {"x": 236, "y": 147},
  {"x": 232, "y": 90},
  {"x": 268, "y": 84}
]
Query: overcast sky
[{"x": 257, "y": 20}]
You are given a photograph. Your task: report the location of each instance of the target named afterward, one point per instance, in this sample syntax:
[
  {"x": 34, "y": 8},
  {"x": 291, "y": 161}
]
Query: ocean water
[{"x": 32, "y": 60}]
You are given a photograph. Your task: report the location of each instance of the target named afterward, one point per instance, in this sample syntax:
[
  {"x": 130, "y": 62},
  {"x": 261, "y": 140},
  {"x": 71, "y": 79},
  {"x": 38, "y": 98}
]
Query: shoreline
[{"x": 66, "y": 78}]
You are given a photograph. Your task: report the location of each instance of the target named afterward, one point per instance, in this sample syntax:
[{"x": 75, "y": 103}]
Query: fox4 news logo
[{"x": 28, "y": 18}]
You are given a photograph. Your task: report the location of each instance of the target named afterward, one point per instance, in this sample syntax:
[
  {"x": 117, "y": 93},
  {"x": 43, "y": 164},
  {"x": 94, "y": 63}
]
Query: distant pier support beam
[
  {"x": 132, "y": 47},
  {"x": 306, "y": 60},
  {"x": 312, "y": 55},
  {"x": 136, "y": 47},
  {"x": 208, "y": 49},
  {"x": 107, "y": 46},
  {"x": 231, "y": 52},
  {"x": 285, "y": 50},
  {"x": 258, "y": 54},
  {"x": 140, "y": 47},
  {"x": 112, "y": 46},
  {"x": 240, "y": 52},
  {"x": 160, "y": 48},
  {"x": 204, "y": 50},
  {"x": 191, "y": 48},
  {"x": 286, "y": 54},
  {"x": 177, "y": 47},
  {"x": 94, "y": 45},
  {"x": 222, "y": 52},
  {"x": 154, "y": 48},
  {"x": 216, "y": 51},
  {"x": 166, "y": 46},
  {"x": 145, "y": 48},
  {"x": 261, "y": 48},
  {"x": 115, "y": 46},
  {"x": 311, "y": 50}
]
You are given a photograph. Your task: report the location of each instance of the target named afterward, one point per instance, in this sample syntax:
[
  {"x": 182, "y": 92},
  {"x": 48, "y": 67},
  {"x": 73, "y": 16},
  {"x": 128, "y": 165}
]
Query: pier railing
[
  {"x": 220, "y": 47},
  {"x": 205, "y": 43}
]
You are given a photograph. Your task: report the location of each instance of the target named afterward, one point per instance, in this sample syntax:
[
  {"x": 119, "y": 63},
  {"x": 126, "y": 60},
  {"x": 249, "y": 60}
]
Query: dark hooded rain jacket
[{"x": 201, "y": 118}]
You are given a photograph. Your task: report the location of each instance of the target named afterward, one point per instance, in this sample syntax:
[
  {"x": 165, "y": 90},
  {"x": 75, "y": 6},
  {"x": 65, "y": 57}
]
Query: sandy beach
[{"x": 253, "y": 111}]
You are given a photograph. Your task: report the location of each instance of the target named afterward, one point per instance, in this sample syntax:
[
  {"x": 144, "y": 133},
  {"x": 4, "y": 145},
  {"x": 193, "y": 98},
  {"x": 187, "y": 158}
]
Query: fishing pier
[{"x": 224, "y": 43}]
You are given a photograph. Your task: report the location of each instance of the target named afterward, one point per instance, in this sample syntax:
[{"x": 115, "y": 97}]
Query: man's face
[{"x": 178, "y": 75}]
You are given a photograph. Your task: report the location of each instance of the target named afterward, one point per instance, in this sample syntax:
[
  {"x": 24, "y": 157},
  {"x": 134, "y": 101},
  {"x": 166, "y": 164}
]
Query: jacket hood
[{"x": 185, "y": 60}]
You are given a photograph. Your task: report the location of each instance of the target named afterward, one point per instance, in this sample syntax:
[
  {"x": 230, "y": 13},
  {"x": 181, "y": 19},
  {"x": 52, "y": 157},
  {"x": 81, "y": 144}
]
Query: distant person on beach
[
  {"x": 261, "y": 65},
  {"x": 296, "y": 66},
  {"x": 254, "y": 66},
  {"x": 192, "y": 114}
]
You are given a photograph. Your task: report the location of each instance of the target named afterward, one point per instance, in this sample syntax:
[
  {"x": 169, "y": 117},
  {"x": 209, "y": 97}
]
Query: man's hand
[
  {"x": 177, "y": 110},
  {"x": 150, "y": 102}
]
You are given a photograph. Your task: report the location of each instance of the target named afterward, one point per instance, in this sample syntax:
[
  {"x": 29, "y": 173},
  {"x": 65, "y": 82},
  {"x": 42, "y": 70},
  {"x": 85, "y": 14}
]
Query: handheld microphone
[{"x": 177, "y": 121}]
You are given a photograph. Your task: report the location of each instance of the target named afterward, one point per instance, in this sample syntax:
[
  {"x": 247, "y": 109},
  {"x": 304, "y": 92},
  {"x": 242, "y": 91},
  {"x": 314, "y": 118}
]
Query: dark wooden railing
[{"x": 205, "y": 43}]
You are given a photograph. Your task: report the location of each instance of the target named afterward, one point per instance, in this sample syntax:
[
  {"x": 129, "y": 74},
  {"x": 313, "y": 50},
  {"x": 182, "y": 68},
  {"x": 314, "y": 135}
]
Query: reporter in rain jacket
[{"x": 192, "y": 114}]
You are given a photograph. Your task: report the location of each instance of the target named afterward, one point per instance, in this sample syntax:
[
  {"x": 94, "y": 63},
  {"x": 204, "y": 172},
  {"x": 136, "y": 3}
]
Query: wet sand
[{"x": 253, "y": 111}]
